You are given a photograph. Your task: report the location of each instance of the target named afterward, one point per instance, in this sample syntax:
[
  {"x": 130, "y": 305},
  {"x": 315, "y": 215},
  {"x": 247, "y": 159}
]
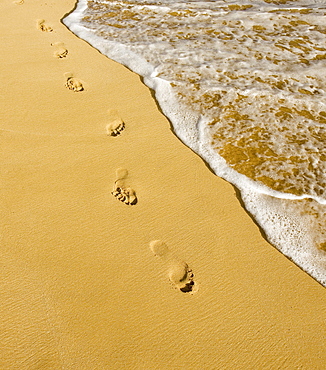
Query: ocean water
[{"x": 244, "y": 85}]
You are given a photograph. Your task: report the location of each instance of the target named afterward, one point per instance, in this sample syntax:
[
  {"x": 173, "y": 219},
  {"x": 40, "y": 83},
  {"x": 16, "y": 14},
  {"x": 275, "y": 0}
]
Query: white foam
[
  {"x": 285, "y": 229},
  {"x": 113, "y": 50}
]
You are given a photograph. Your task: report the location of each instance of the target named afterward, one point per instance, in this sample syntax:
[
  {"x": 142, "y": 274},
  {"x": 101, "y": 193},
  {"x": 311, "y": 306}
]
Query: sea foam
[{"x": 243, "y": 86}]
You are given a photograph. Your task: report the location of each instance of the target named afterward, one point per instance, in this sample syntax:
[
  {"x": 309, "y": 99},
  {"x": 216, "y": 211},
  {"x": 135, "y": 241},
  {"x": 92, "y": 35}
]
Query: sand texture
[{"x": 120, "y": 248}]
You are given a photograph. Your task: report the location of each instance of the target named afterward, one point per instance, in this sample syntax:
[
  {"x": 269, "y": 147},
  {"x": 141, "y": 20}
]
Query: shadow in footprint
[{"x": 179, "y": 273}]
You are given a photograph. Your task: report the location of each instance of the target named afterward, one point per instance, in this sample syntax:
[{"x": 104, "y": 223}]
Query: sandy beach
[{"x": 181, "y": 279}]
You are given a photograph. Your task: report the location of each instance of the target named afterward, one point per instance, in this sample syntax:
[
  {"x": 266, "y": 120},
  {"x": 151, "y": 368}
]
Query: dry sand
[{"x": 88, "y": 282}]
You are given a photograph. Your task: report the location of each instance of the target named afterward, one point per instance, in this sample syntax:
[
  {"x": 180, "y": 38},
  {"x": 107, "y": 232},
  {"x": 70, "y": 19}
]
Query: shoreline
[
  {"x": 302, "y": 249},
  {"x": 85, "y": 286}
]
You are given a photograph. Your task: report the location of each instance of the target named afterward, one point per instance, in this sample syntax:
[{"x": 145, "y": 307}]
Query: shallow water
[{"x": 243, "y": 84}]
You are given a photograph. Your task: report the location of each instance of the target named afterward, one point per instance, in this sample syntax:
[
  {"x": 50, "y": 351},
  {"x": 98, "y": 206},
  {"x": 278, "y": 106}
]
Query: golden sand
[{"x": 120, "y": 249}]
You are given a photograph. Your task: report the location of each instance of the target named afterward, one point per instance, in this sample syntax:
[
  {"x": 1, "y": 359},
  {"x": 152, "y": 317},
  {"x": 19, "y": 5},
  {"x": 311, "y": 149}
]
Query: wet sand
[{"x": 169, "y": 271}]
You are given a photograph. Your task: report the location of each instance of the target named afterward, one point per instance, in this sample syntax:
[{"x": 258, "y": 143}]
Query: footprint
[
  {"x": 121, "y": 173},
  {"x": 179, "y": 273},
  {"x": 41, "y": 25},
  {"x": 115, "y": 125},
  {"x": 122, "y": 192},
  {"x": 159, "y": 248},
  {"x": 127, "y": 195},
  {"x": 61, "y": 51},
  {"x": 73, "y": 83}
]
